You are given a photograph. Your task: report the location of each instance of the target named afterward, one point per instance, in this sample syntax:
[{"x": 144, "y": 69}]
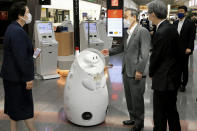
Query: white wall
[{"x": 90, "y": 8}]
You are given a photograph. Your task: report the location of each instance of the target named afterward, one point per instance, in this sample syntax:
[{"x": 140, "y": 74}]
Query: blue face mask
[{"x": 181, "y": 15}]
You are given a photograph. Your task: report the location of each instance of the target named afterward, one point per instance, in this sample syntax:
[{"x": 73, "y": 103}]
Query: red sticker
[{"x": 114, "y": 2}]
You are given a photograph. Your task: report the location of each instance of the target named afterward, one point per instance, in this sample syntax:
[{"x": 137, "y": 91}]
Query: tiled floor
[{"x": 50, "y": 115}]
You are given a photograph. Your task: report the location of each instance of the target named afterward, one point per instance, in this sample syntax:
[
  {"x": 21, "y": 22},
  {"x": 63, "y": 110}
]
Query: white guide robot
[{"x": 86, "y": 94}]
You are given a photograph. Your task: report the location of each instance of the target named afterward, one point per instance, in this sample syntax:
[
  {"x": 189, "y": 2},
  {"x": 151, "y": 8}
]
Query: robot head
[
  {"x": 91, "y": 58},
  {"x": 91, "y": 62}
]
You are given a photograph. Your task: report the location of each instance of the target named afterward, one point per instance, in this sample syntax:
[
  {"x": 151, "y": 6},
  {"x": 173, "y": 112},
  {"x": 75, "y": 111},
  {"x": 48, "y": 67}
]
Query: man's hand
[
  {"x": 188, "y": 51},
  {"x": 105, "y": 52},
  {"x": 138, "y": 75},
  {"x": 29, "y": 85}
]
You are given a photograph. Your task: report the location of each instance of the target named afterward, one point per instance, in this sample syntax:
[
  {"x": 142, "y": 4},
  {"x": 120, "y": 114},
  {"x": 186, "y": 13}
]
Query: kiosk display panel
[
  {"x": 92, "y": 28},
  {"x": 45, "y": 28}
]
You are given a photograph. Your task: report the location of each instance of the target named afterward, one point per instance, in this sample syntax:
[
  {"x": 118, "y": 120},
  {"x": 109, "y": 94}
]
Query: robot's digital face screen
[
  {"x": 91, "y": 62},
  {"x": 45, "y": 28},
  {"x": 92, "y": 28}
]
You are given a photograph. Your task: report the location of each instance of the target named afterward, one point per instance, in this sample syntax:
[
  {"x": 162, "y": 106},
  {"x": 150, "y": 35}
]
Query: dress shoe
[
  {"x": 182, "y": 89},
  {"x": 128, "y": 122}
]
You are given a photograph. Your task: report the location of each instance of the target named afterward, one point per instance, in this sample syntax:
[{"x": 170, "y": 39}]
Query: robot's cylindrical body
[{"x": 85, "y": 94}]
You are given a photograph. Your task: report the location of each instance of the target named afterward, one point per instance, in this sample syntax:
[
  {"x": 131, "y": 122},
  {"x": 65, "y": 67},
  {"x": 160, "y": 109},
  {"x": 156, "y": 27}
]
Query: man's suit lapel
[
  {"x": 125, "y": 38},
  {"x": 176, "y": 24},
  {"x": 132, "y": 36},
  {"x": 183, "y": 27}
]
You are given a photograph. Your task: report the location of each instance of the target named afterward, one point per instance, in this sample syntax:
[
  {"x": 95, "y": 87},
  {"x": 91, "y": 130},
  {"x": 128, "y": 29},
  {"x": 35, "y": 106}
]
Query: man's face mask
[
  {"x": 181, "y": 15},
  {"x": 127, "y": 23}
]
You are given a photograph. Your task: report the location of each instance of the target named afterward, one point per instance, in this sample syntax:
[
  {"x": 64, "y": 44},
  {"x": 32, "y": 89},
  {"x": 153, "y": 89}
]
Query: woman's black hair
[{"x": 18, "y": 8}]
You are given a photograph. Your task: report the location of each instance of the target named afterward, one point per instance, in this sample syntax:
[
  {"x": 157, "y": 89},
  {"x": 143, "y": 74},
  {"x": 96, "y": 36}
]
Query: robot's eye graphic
[
  {"x": 96, "y": 57},
  {"x": 93, "y": 58}
]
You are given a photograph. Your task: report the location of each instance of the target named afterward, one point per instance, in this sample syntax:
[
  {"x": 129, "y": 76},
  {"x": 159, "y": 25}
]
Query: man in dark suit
[
  {"x": 187, "y": 31},
  {"x": 164, "y": 69}
]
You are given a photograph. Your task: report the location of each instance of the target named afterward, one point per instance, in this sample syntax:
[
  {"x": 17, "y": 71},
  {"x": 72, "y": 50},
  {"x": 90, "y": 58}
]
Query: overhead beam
[
  {"x": 100, "y": 2},
  {"x": 144, "y": 2}
]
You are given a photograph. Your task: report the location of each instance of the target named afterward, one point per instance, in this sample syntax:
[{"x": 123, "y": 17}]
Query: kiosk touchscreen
[
  {"x": 46, "y": 63},
  {"x": 92, "y": 28},
  {"x": 45, "y": 28}
]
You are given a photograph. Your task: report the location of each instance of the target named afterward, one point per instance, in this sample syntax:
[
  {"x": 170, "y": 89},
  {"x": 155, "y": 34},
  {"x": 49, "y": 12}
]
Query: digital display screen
[
  {"x": 115, "y": 23},
  {"x": 92, "y": 28},
  {"x": 114, "y": 2},
  {"x": 45, "y": 28},
  {"x": 3, "y": 15}
]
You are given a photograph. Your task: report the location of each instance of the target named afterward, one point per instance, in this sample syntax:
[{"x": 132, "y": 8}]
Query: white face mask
[
  {"x": 127, "y": 23},
  {"x": 102, "y": 16},
  {"x": 28, "y": 21}
]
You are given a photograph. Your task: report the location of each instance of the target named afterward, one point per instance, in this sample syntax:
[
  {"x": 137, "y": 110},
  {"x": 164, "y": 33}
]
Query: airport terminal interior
[{"x": 57, "y": 73}]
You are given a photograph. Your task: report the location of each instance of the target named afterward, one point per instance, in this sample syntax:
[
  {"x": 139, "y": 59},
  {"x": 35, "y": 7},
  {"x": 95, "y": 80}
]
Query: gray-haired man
[
  {"x": 164, "y": 69},
  {"x": 135, "y": 55}
]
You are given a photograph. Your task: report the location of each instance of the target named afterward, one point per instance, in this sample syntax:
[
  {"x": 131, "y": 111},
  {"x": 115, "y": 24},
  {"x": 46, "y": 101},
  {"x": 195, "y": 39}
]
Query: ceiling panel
[
  {"x": 144, "y": 2},
  {"x": 101, "y": 2}
]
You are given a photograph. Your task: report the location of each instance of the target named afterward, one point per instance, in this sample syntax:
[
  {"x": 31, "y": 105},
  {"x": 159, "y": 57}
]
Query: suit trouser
[
  {"x": 184, "y": 70},
  {"x": 165, "y": 110},
  {"x": 134, "y": 93}
]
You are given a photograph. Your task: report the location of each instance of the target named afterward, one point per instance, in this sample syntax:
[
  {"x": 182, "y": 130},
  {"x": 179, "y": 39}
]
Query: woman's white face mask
[{"x": 29, "y": 18}]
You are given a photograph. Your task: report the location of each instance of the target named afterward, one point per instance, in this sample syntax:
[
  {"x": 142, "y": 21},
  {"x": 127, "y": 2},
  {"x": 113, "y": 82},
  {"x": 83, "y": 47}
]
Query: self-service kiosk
[
  {"x": 93, "y": 34},
  {"x": 89, "y": 36},
  {"x": 46, "y": 63},
  {"x": 102, "y": 32}
]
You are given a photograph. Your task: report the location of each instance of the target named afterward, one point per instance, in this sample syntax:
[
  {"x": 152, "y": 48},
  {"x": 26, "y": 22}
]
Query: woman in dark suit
[{"x": 18, "y": 68}]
